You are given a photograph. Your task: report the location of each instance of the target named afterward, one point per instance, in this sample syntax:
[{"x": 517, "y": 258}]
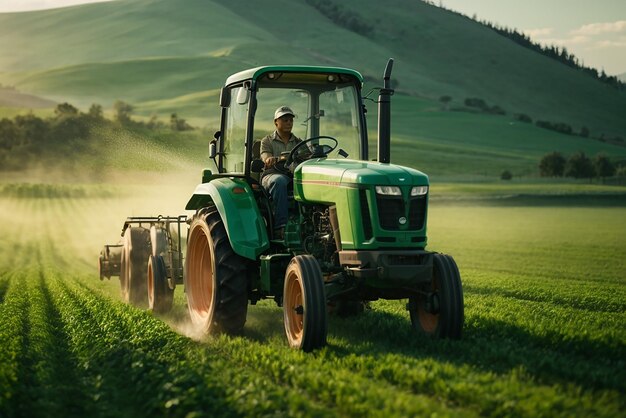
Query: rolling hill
[{"x": 165, "y": 57}]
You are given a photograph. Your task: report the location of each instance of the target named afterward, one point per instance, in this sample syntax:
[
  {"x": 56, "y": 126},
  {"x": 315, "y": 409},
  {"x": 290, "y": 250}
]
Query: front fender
[{"x": 242, "y": 219}]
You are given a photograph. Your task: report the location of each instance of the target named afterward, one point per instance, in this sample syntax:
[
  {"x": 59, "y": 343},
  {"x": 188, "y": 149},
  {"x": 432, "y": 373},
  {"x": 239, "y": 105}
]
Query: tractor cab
[{"x": 326, "y": 102}]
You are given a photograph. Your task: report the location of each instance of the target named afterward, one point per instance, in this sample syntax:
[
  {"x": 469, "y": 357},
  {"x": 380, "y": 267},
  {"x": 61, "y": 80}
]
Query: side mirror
[
  {"x": 212, "y": 149},
  {"x": 243, "y": 96}
]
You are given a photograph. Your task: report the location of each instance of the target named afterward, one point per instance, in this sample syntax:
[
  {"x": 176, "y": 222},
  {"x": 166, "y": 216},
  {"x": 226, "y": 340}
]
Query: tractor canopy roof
[{"x": 295, "y": 74}]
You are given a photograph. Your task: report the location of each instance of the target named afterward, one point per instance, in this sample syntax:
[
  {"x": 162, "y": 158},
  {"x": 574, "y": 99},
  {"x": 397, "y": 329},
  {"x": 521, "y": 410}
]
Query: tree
[
  {"x": 584, "y": 132},
  {"x": 9, "y": 134},
  {"x": 65, "y": 109},
  {"x": 552, "y": 165},
  {"x": 32, "y": 128},
  {"x": 579, "y": 166},
  {"x": 178, "y": 124},
  {"x": 95, "y": 112},
  {"x": 122, "y": 111},
  {"x": 506, "y": 175},
  {"x": 476, "y": 102},
  {"x": 68, "y": 129},
  {"x": 446, "y": 101},
  {"x": 603, "y": 166}
]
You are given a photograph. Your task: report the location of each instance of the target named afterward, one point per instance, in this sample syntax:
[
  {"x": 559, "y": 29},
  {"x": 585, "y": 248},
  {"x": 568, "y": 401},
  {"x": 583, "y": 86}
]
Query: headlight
[
  {"x": 419, "y": 190},
  {"x": 388, "y": 190}
]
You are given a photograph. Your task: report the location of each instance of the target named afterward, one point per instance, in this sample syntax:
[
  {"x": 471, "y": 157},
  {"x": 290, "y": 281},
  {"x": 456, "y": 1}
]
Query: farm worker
[{"x": 281, "y": 140}]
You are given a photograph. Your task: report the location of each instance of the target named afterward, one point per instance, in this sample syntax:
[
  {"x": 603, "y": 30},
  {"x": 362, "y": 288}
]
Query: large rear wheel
[
  {"x": 160, "y": 296},
  {"x": 215, "y": 279},
  {"x": 134, "y": 262},
  {"x": 438, "y": 312},
  {"x": 304, "y": 304}
]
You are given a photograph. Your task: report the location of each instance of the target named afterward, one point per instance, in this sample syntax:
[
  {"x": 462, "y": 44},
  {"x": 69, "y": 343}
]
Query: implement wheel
[
  {"x": 304, "y": 304},
  {"x": 439, "y": 312},
  {"x": 160, "y": 296},
  {"x": 134, "y": 262},
  {"x": 215, "y": 279}
]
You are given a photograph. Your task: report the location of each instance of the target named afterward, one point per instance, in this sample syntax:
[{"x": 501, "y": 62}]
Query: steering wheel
[{"x": 299, "y": 153}]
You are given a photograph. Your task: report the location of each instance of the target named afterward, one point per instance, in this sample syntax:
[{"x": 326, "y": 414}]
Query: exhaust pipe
[{"x": 384, "y": 116}]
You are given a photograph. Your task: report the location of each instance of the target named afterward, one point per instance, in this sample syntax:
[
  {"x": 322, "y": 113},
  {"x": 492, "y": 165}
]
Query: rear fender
[{"x": 240, "y": 213}]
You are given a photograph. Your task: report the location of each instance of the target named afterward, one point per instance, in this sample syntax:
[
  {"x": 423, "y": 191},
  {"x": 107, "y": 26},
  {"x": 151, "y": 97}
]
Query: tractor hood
[{"x": 318, "y": 179}]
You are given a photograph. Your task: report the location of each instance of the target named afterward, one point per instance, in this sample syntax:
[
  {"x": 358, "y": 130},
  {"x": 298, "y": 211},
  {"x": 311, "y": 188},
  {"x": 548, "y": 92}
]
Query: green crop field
[
  {"x": 543, "y": 261},
  {"x": 545, "y": 305}
]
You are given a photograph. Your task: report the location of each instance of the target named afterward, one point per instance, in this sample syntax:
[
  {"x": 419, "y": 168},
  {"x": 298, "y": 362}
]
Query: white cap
[{"x": 282, "y": 111}]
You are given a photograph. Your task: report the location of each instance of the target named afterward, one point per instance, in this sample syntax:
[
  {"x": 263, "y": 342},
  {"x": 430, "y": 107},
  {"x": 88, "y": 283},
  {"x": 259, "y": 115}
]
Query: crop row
[
  {"x": 77, "y": 351},
  {"x": 537, "y": 342}
]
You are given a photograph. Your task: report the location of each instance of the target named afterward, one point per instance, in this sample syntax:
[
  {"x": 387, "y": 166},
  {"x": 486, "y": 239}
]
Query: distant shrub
[
  {"x": 476, "y": 102},
  {"x": 584, "y": 132},
  {"x": 446, "y": 101},
  {"x": 522, "y": 117},
  {"x": 497, "y": 110},
  {"x": 603, "y": 166},
  {"x": 506, "y": 175},
  {"x": 579, "y": 166},
  {"x": 552, "y": 165},
  {"x": 178, "y": 124},
  {"x": 558, "y": 127}
]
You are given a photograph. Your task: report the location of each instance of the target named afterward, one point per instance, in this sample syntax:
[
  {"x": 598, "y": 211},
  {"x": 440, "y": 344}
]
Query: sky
[{"x": 593, "y": 30}]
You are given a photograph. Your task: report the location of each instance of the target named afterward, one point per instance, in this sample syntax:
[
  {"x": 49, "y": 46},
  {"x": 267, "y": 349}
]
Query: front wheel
[
  {"x": 438, "y": 312},
  {"x": 304, "y": 304},
  {"x": 215, "y": 279}
]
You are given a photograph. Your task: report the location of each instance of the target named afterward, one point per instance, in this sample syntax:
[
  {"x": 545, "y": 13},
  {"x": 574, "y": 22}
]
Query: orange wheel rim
[
  {"x": 200, "y": 274},
  {"x": 294, "y": 304}
]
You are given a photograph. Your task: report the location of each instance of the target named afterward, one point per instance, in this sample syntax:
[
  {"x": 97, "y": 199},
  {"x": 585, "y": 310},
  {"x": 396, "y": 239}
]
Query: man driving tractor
[{"x": 272, "y": 146}]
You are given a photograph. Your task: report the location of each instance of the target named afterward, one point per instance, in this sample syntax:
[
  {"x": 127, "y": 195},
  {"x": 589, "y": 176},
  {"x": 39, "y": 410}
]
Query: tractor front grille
[
  {"x": 417, "y": 213},
  {"x": 392, "y": 208}
]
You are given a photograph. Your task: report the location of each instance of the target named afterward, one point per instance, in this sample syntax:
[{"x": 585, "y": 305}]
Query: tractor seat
[{"x": 256, "y": 165}]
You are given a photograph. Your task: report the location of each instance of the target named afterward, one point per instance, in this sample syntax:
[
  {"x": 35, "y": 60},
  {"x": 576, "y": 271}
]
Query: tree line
[
  {"x": 68, "y": 127},
  {"x": 343, "y": 17},
  {"x": 579, "y": 166}
]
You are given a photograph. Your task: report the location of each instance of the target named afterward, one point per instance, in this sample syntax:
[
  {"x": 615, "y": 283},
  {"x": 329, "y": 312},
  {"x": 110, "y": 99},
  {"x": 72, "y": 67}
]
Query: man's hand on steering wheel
[
  {"x": 270, "y": 162},
  {"x": 298, "y": 153}
]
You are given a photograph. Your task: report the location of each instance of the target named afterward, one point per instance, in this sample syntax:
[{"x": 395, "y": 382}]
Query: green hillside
[{"x": 166, "y": 57}]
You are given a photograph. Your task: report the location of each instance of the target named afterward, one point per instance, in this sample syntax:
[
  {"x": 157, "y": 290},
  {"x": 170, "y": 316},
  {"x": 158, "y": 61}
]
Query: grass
[{"x": 544, "y": 304}]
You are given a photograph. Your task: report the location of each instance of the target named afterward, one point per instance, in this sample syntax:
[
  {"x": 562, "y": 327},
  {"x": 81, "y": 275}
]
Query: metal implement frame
[{"x": 175, "y": 273}]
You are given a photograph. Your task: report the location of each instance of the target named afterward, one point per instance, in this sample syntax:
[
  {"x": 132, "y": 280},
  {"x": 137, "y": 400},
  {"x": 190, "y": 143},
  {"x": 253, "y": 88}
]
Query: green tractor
[{"x": 356, "y": 228}]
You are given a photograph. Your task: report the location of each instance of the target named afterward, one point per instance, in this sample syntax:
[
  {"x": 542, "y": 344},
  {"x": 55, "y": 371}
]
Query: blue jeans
[{"x": 277, "y": 184}]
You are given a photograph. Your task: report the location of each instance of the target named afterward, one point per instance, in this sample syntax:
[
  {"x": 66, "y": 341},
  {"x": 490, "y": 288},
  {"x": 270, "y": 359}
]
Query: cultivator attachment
[
  {"x": 148, "y": 260},
  {"x": 109, "y": 261}
]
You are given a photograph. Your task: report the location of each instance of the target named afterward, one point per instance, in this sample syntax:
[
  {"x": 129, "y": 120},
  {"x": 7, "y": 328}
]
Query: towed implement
[{"x": 356, "y": 228}]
